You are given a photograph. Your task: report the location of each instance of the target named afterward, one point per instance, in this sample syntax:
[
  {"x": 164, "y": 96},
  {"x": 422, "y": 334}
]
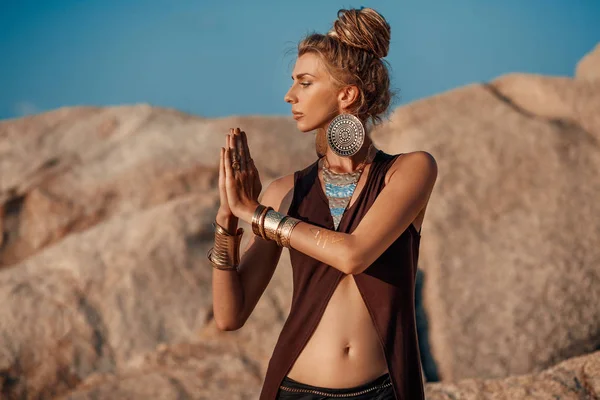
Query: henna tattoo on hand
[{"x": 324, "y": 236}]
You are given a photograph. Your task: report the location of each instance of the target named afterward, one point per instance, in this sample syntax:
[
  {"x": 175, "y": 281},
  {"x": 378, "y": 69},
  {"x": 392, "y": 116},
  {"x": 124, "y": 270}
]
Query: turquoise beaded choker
[{"x": 339, "y": 188}]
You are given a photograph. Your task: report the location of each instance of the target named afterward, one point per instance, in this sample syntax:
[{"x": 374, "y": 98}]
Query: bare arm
[
  {"x": 235, "y": 294},
  {"x": 395, "y": 208}
]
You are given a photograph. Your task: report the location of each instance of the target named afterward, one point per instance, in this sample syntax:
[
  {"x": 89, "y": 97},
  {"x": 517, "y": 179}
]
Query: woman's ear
[{"x": 347, "y": 96}]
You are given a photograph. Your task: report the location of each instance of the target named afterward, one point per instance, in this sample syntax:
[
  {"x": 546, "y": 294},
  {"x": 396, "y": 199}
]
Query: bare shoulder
[
  {"x": 419, "y": 164},
  {"x": 417, "y": 170},
  {"x": 279, "y": 193}
]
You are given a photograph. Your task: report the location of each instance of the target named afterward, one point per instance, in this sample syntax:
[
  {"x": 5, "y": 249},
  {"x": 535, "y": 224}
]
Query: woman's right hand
[
  {"x": 224, "y": 210},
  {"x": 236, "y": 140}
]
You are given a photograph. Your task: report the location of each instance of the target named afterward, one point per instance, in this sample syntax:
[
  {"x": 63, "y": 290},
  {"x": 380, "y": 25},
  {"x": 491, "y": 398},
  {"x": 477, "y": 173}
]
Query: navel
[{"x": 347, "y": 349}]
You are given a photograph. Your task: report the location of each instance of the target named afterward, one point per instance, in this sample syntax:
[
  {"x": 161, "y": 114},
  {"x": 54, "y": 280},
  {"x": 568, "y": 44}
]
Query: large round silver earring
[{"x": 345, "y": 135}]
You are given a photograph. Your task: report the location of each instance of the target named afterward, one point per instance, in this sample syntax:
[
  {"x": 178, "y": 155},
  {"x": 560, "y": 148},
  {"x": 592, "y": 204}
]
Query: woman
[{"x": 351, "y": 221}]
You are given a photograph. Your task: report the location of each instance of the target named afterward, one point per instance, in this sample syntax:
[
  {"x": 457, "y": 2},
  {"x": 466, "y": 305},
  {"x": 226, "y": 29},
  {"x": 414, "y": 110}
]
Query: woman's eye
[{"x": 305, "y": 84}]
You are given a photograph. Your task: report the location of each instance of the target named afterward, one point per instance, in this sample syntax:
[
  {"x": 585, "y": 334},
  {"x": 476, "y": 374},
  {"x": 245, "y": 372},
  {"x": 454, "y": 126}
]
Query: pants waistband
[{"x": 290, "y": 385}]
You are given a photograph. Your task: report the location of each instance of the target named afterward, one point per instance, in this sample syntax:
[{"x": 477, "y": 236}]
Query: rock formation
[
  {"x": 509, "y": 250},
  {"x": 105, "y": 218}
]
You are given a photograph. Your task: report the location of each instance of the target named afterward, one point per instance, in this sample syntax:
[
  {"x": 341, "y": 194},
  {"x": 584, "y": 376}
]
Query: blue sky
[{"x": 218, "y": 58}]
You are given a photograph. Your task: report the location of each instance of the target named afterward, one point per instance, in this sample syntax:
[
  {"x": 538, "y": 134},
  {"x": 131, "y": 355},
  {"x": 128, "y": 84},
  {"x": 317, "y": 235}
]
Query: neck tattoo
[{"x": 339, "y": 188}]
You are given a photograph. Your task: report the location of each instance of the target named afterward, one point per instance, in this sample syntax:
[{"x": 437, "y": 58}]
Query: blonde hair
[{"x": 352, "y": 52}]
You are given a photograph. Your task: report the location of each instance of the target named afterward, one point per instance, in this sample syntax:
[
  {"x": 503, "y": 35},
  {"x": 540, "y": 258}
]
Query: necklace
[{"x": 339, "y": 187}]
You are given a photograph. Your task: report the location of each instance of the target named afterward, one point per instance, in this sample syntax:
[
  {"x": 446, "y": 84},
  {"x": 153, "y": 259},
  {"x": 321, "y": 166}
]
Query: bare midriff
[{"x": 344, "y": 350}]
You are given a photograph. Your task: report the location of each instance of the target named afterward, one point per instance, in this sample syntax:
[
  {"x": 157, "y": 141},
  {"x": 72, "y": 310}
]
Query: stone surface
[
  {"x": 575, "y": 379},
  {"x": 184, "y": 371},
  {"x": 201, "y": 372}
]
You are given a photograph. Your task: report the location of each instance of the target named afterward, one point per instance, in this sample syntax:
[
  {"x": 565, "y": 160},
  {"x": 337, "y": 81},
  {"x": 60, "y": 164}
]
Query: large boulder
[
  {"x": 66, "y": 170},
  {"x": 575, "y": 379},
  {"x": 510, "y": 240},
  {"x": 104, "y": 212},
  {"x": 99, "y": 300}
]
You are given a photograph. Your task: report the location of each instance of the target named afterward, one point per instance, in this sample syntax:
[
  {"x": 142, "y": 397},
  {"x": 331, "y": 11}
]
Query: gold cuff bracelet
[{"x": 225, "y": 254}]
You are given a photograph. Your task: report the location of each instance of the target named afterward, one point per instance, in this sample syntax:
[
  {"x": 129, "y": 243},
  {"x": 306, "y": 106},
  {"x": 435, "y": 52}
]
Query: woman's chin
[{"x": 303, "y": 127}]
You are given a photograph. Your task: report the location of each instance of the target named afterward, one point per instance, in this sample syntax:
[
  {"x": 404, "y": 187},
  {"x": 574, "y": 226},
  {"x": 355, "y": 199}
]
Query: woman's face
[{"x": 313, "y": 95}]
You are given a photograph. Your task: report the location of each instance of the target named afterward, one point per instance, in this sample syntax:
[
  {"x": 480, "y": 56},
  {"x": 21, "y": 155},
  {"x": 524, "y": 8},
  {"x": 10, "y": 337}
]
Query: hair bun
[{"x": 364, "y": 28}]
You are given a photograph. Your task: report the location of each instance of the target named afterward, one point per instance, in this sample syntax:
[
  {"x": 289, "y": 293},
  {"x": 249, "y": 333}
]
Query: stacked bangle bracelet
[
  {"x": 266, "y": 223},
  {"x": 271, "y": 225}
]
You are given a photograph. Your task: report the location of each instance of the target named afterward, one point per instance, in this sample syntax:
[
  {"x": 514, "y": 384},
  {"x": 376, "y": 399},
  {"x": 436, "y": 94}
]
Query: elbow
[
  {"x": 353, "y": 265},
  {"x": 355, "y": 270},
  {"x": 352, "y": 260},
  {"x": 228, "y": 326}
]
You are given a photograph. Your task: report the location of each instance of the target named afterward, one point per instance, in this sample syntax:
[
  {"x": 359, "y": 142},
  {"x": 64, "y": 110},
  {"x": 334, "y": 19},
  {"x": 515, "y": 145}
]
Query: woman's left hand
[{"x": 242, "y": 184}]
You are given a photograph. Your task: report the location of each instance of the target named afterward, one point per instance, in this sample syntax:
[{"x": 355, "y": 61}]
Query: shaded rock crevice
[
  {"x": 560, "y": 123},
  {"x": 10, "y": 222},
  {"x": 99, "y": 329},
  {"x": 181, "y": 393},
  {"x": 10, "y": 381}
]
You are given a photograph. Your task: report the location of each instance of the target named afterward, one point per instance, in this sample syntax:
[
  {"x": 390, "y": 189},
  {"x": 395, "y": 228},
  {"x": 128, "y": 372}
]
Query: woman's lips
[{"x": 298, "y": 116}]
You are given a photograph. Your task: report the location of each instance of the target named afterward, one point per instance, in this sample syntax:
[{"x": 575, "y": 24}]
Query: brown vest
[{"x": 387, "y": 286}]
